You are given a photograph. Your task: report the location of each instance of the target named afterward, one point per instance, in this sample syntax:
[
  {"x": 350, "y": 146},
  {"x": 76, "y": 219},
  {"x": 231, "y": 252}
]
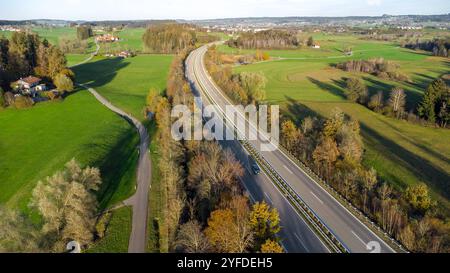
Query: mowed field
[
  {"x": 130, "y": 39},
  {"x": 126, "y": 82},
  {"x": 403, "y": 153},
  {"x": 38, "y": 141}
]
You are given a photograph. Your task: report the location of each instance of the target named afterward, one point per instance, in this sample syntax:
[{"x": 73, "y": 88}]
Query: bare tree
[
  {"x": 397, "y": 101},
  {"x": 191, "y": 238}
]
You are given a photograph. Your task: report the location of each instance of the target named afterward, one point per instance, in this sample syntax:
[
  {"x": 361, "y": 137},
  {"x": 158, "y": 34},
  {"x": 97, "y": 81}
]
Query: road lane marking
[
  {"x": 317, "y": 197},
  {"x": 288, "y": 169},
  {"x": 356, "y": 235},
  {"x": 301, "y": 241},
  {"x": 268, "y": 197}
]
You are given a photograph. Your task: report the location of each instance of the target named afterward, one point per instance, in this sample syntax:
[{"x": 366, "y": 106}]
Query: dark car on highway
[{"x": 256, "y": 169}]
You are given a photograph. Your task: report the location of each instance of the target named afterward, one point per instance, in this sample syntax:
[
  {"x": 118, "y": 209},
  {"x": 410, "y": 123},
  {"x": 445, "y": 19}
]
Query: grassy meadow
[
  {"x": 117, "y": 234},
  {"x": 38, "y": 141},
  {"x": 126, "y": 82},
  {"x": 130, "y": 39},
  {"x": 306, "y": 83}
]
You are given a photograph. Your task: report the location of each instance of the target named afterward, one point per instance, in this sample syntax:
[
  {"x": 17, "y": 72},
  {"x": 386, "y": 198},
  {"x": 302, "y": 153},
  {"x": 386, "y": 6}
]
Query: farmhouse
[
  {"x": 125, "y": 54},
  {"x": 107, "y": 38},
  {"x": 29, "y": 85}
]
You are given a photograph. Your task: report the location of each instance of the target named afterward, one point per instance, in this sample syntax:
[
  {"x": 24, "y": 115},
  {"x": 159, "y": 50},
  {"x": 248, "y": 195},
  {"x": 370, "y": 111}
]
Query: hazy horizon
[{"x": 103, "y": 10}]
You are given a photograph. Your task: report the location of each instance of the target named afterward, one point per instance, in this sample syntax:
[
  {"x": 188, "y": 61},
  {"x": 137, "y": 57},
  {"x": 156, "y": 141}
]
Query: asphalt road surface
[
  {"x": 139, "y": 201},
  {"x": 355, "y": 235}
]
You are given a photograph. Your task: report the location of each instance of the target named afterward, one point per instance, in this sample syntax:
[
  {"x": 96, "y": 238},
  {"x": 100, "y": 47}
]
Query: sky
[{"x": 210, "y": 9}]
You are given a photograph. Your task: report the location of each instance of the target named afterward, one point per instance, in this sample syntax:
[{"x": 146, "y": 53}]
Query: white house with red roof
[{"x": 30, "y": 85}]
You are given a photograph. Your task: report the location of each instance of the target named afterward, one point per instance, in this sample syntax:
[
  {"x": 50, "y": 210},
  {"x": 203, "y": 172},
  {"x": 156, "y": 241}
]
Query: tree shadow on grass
[
  {"x": 335, "y": 89},
  {"x": 418, "y": 166},
  {"x": 374, "y": 86},
  {"x": 419, "y": 146},
  {"x": 99, "y": 73},
  {"x": 117, "y": 167},
  {"x": 297, "y": 111}
]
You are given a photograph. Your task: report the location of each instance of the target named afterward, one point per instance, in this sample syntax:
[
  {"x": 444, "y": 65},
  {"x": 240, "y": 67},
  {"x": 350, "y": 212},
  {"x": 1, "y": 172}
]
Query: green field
[
  {"x": 117, "y": 233},
  {"x": 126, "y": 82},
  {"x": 403, "y": 153},
  {"x": 37, "y": 142},
  {"x": 130, "y": 39}
]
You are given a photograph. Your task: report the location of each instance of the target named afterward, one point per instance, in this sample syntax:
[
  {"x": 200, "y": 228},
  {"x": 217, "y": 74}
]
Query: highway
[{"x": 349, "y": 230}]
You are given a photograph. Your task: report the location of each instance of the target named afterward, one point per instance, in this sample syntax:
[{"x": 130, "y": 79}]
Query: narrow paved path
[
  {"x": 139, "y": 201},
  {"x": 90, "y": 57}
]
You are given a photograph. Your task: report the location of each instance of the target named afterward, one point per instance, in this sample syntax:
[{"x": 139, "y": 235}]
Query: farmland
[
  {"x": 306, "y": 83},
  {"x": 126, "y": 82},
  {"x": 37, "y": 142}
]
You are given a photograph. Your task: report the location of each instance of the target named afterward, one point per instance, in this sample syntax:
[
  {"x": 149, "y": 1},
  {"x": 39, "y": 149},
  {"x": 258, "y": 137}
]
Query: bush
[
  {"x": 63, "y": 83},
  {"x": 102, "y": 225},
  {"x": 22, "y": 102}
]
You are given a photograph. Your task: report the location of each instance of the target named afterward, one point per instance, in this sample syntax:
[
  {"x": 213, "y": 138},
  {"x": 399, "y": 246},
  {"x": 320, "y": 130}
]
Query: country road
[
  {"x": 349, "y": 230},
  {"x": 139, "y": 201}
]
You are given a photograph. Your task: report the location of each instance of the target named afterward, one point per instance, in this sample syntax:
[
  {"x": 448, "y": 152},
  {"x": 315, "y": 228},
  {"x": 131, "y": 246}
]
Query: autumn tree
[
  {"x": 271, "y": 246},
  {"x": 265, "y": 222},
  {"x": 254, "y": 84},
  {"x": 63, "y": 83},
  {"x": 397, "y": 101},
  {"x": 222, "y": 231},
  {"x": 84, "y": 32},
  {"x": 68, "y": 205},
  {"x": 290, "y": 135},
  {"x": 191, "y": 238},
  {"x": 325, "y": 155},
  {"x": 376, "y": 102},
  {"x": 418, "y": 197},
  {"x": 356, "y": 90}
]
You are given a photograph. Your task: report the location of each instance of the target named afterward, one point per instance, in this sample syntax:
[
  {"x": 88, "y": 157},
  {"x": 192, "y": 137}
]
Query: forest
[
  {"x": 268, "y": 39},
  {"x": 169, "y": 38}
]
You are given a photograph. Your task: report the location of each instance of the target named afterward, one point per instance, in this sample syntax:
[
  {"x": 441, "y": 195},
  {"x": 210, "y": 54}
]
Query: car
[{"x": 256, "y": 169}]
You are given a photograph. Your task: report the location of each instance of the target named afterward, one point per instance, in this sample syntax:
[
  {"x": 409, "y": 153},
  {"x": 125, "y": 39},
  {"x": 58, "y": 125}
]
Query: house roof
[{"x": 31, "y": 80}]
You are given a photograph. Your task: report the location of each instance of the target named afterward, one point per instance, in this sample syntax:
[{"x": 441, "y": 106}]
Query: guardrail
[
  {"x": 320, "y": 228},
  {"x": 344, "y": 201},
  {"x": 357, "y": 213}
]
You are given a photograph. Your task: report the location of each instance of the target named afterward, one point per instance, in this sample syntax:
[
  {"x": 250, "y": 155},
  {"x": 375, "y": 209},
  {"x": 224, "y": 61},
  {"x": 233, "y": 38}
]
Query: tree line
[
  {"x": 26, "y": 54},
  {"x": 169, "y": 38},
  {"x": 245, "y": 88},
  {"x": 268, "y": 39},
  {"x": 206, "y": 209},
  {"x": 432, "y": 110},
  {"x": 333, "y": 147},
  {"x": 84, "y": 32},
  {"x": 379, "y": 67},
  {"x": 439, "y": 47}
]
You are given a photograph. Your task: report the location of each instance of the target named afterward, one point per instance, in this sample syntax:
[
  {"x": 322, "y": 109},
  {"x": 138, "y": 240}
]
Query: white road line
[
  {"x": 317, "y": 197},
  {"x": 268, "y": 197},
  {"x": 288, "y": 169},
  {"x": 356, "y": 235},
  {"x": 301, "y": 241}
]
